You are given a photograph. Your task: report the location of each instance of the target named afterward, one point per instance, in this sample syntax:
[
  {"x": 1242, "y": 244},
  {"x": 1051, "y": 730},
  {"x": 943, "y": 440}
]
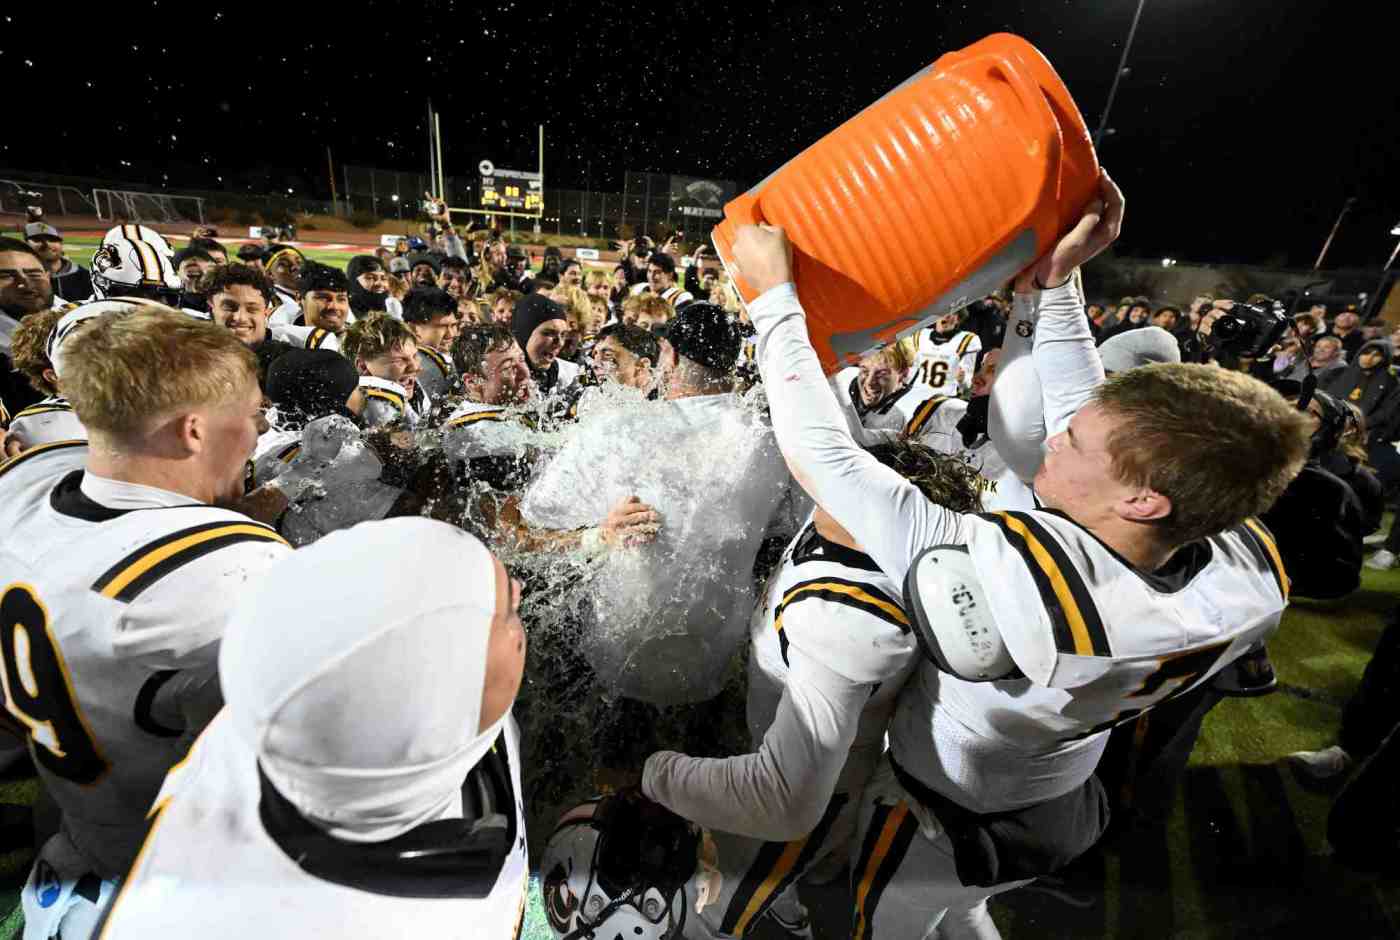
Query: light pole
[
  {"x": 1374, "y": 306},
  {"x": 1346, "y": 207},
  {"x": 1117, "y": 76}
]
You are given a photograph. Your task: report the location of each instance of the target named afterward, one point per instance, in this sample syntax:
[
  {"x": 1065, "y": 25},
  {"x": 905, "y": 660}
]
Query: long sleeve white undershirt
[
  {"x": 1049, "y": 368},
  {"x": 779, "y": 792},
  {"x": 886, "y": 514}
]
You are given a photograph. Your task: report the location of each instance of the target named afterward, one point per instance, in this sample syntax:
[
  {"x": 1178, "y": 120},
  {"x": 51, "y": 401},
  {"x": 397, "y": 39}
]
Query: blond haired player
[
  {"x": 1144, "y": 575},
  {"x": 117, "y": 574}
]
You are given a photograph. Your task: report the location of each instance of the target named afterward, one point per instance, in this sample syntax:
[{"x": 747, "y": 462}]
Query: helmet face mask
[{"x": 581, "y": 901}]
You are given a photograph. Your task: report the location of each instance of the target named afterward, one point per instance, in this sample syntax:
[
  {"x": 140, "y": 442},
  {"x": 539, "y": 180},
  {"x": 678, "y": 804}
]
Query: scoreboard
[{"x": 510, "y": 189}]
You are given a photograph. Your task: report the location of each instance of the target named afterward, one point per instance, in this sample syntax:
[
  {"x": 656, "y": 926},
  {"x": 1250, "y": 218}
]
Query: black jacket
[
  {"x": 1368, "y": 390},
  {"x": 1318, "y": 523}
]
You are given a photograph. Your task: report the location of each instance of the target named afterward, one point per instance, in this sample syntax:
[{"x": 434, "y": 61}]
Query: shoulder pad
[{"x": 951, "y": 617}]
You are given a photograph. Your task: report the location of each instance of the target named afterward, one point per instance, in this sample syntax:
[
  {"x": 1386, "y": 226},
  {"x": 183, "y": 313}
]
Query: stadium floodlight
[
  {"x": 1168, "y": 262},
  {"x": 1396, "y": 230},
  {"x": 395, "y": 197}
]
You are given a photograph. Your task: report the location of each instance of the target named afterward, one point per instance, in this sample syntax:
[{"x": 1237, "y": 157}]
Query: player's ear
[
  {"x": 192, "y": 431},
  {"x": 1144, "y": 505}
]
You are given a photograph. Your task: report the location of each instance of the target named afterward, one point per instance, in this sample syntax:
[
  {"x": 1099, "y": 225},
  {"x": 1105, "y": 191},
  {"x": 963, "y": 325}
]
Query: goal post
[{"x": 113, "y": 204}]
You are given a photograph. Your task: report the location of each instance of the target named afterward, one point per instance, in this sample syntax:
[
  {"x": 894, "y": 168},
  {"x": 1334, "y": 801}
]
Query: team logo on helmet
[{"x": 560, "y": 905}]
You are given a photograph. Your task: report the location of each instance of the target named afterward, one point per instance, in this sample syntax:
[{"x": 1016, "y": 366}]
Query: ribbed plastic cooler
[{"x": 931, "y": 198}]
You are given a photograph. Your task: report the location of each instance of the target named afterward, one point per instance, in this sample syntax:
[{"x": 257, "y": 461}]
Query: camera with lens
[{"x": 1248, "y": 330}]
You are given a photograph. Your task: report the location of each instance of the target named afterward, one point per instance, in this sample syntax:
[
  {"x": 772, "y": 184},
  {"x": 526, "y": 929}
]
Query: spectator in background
[
  {"x": 431, "y": 316},
  {"x": 1166, "y": 318},
  {"x": 456, "y": 279},
  {"x": 193, "y": 265},
  {"x": 646, "y": 311},
  {"x": 620, "y": 285},
  {"x": 702, "y": 278},
  {"x": 69, "y": 281},
  {"x": 1367, "y": 382},
  {"x": 1289, "y": 362},
  {"x": 239, "y": 298},
  {"x": 503, "y": 303},
  {"x": 25, "y": 288},
  {"x": 1347, "y": 328},
  {"x": 1327, "y": 358},
  {"x": 540, "y": 325},
  {"x": 598, "y": 284},
  {"x": 661, "y": 280},
  {"x": 423, "y": 270},
  {"x": 1350, "y": 463},
  {"x": 571, "y": 273},
  {"x": 1309, "y": 326},
  {"x": 551, "y": 267},
  {"x": 211, "y": 247},
  {"x": 369, "y": 285},
  {"x": 251, "y": 253},
  {"x": 1135, "y": 317},
  {"x": 1096, "y": 314},
  {"x": 384, "y": 255}
]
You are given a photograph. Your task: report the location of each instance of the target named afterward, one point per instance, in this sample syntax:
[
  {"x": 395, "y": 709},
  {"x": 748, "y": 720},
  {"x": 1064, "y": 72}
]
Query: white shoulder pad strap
[{"x": 951, "y": 617}]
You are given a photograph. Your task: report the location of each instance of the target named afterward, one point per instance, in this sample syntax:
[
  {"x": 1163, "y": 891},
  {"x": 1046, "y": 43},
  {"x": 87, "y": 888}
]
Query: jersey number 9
[{"x": 38, "y": 692}]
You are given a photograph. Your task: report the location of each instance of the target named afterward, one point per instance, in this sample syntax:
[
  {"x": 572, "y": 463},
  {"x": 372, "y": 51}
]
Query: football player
[
  {"x": 136, "y": 261},
  {"x": 285, "y": 265},
  {"x": 364, "y": 780},
  {"x": 112, "y": 613},
  {"x": 431, "y": 316},
  {"x": 945, "y": 355},
  {"x": 323, "y": 314},
  {"x": 487, "y": 435},
  {"x": 1150, "y": 494},
  {"x": 386, "y": 356},
  {"x": 51, "y": 418},
  {"x": 830, "y": 647}
]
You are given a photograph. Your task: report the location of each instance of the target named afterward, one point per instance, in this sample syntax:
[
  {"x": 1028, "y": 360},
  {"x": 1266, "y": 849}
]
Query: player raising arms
[{"x": 1143, "y": 575}]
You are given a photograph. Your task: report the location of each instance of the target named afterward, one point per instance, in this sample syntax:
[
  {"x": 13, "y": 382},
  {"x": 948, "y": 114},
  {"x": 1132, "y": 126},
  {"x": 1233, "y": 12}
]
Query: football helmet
[
  {"x": 618, "y": 866},
  {"x": 135, "y": 261}
]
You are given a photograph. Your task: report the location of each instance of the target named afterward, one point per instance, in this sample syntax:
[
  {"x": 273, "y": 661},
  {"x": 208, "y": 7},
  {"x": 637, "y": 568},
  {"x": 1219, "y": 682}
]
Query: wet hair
[
  {"x": 948, "y": 480},
  {"x": 374, "y": 335},
  {"x": 634, "y": 339},
  {"x": 29, "y": 348},
  {"x": 470, "y": 347}
]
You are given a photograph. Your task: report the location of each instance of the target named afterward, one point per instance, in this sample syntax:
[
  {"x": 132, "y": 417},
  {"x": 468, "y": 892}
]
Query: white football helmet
[
  {"x": 135, "y": 261},
  {"x": 581, "y": 901}
]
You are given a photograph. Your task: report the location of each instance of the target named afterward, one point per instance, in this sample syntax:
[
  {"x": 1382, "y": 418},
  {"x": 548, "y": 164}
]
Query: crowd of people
[{"x": 273, "y": 540}]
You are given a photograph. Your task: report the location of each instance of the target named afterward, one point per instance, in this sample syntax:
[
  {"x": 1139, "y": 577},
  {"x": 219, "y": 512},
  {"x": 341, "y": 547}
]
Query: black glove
[
  {"x": 645, "y": 841},
  {"x": 974, "y": 424}
]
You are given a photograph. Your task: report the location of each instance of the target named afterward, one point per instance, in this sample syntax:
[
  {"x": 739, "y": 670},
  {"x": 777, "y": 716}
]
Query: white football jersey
[
  {"x": 46, "y": 422},
  {"x": 216, "y": 867},
  {"x": 946, "y": 367},
  {"x": 286, "y": 309},
  {"x": 306, "y": 337},
  {"x": 386, "y": 402},
  {"x": 478, "y": 430},
  {"x": 436, "y": 374},
  {"x": 835, "y": 605},
  {"x": 1098, "y": 643},
  {"x": 109, "y": 617}
]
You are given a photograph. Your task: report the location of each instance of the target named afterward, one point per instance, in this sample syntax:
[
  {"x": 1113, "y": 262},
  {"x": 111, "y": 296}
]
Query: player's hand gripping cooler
[{"x": 932, "y": 197}]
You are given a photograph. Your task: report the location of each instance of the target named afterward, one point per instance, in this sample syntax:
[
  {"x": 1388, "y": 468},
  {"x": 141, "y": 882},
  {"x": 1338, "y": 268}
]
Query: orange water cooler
[{"x": 932, "y": 197}]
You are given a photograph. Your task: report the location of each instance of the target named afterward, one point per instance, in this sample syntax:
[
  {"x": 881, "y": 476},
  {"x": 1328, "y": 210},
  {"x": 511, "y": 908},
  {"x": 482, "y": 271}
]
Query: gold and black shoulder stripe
[
  {"x": 4, "y": 415},
  {"x": 774, "y": 868},
  {"x": 891, "y": 832},
  {"x": 922, "y": 414},
  {"x": 33, "y": 452},
  {"x": 43, "y": 409},
  {"x": 289, "y": 452},
  {"x": 967, "y": 341},
  {"x": 316, "y": 337},
  {"x": 1262, "y": 540},
  {"x": 125, "y": 580},
  {"x": 392, "y": 398},
  {"x": 1073, "y": 616},
  {"x": 862, "y": 597},
  {"x": 438, "y": 359},
  {"x": 476, "y": 416}
]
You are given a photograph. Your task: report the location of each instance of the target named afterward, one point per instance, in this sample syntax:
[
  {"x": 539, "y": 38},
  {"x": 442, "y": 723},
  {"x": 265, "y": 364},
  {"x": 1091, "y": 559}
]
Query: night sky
[{"x": 1242, "y": 128}]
